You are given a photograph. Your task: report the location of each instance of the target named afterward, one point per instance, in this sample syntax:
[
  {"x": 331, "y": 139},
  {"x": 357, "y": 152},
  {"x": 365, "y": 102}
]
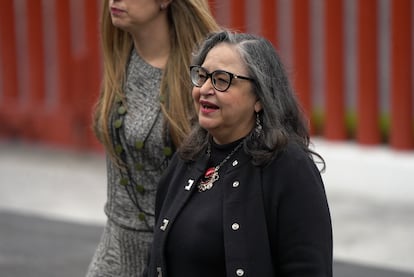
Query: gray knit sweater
[{"x": 123, "y": 247}]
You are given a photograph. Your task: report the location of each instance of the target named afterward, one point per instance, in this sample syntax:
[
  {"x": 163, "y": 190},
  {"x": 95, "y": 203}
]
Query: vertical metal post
[
  {"x": 367, "y": 131},
  {"x": 401, "y": 133},
  {"x": 301, "y": 54},
  {"x": 334, "y": 120}
]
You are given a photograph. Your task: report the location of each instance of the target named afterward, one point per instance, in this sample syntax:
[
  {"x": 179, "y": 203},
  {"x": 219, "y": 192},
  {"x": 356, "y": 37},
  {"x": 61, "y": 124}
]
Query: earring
[
  {"x": 259, "y": 127},
  {"x": 162, "y": 6}
]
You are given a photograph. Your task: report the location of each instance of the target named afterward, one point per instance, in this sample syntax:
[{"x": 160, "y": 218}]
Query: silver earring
[
  {"x": 259, "y": 127},
  {"x": 162, "y": 6}
]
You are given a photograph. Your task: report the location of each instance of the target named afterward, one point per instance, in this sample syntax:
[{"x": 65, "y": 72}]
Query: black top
[
  {"x": 196, "y": 239},
  {"x": 275, "y": 218}
]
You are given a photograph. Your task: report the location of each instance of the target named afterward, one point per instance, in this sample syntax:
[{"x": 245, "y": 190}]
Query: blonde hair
[{"x": 190, "y": 21}]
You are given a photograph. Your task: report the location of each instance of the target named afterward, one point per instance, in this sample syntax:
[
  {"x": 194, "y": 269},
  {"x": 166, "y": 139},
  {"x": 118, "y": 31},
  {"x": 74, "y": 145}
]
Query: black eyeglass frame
[{"x": 210, "y": 75}]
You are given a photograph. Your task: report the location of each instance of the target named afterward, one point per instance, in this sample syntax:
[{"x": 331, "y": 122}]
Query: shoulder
[
  {"x": 290, "y": 156},
  {"x": 292, "y": 167},
  {"x": 293, "y": 182},
  {"x": 175, "y": 165},
  {"x": 175, "y": 172}
]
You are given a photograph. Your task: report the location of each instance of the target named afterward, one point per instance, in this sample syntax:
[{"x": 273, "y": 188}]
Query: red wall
[{"x": 351, "y": 66}]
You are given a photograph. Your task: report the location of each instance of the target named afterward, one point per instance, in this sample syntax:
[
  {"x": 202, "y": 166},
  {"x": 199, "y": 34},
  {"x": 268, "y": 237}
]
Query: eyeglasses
[{"x": 220, "y": 79}]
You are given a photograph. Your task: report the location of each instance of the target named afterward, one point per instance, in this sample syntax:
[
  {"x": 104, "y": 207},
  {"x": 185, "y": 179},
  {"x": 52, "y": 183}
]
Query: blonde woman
[{"x": 142, "y": 116}]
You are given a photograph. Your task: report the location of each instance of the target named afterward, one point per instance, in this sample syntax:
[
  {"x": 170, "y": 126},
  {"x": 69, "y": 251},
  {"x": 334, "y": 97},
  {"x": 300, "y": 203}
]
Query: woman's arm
[{"x": 301, "y": 230}]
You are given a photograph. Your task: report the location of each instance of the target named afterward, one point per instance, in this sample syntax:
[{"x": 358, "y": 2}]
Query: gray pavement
[
  {"x": 371, "y": 196},
  {"x": 51, "y": 209},
  {"x": 35, "y": 246}
]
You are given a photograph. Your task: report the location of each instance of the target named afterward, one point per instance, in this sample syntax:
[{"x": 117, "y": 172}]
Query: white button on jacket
[
  {"x": 239, "y": 272},
  {"x": 235, "y": 226}
]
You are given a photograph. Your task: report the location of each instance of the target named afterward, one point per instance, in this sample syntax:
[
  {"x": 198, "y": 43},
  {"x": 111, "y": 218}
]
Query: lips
[
  {"x": 116, "y": 11},
  {"x": 208, "y": 105}
]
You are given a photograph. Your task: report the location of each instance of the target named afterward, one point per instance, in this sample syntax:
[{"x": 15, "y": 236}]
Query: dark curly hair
[{"x": 281, "y": 116}]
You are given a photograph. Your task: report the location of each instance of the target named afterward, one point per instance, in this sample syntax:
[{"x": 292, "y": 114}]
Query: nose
[{"x": 207, "y": 88}]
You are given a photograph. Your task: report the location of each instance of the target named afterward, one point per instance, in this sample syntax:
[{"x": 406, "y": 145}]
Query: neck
[
  {"x": 236, "y": 145},
  {"x": 228, "y": 139},
  {"x": 152, "y": 42}
]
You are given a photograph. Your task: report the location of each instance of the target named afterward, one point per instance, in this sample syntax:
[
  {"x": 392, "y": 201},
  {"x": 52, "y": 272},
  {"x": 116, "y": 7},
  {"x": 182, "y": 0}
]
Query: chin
[{"x": 206, "y": 125}]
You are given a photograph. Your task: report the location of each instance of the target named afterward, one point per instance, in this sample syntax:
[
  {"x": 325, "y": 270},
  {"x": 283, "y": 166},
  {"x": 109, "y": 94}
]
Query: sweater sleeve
[{"x": 300, "y": 230}]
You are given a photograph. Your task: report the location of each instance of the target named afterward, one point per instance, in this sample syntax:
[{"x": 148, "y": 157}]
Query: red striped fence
[
  {"x": 50, "y": 70},
  {"x": 350, "y": 62}
]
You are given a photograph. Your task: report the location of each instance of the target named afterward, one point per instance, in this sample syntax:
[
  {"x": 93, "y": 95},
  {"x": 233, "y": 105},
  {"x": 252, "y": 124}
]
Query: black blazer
[{"x": 276, "y": 218}]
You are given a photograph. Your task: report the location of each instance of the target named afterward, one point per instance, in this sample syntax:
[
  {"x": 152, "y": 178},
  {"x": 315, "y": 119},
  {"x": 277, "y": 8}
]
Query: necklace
[{"x": 212, "y": 173}]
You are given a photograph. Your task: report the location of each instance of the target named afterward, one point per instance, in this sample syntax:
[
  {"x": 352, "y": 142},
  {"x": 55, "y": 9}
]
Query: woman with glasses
[
  {"x": 142, "y": 115},
  {"x": 243, "y": 195}
]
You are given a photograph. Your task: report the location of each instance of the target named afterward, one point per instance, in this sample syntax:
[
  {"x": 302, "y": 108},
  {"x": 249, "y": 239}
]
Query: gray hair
[{"x": 281, "y": 117}]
